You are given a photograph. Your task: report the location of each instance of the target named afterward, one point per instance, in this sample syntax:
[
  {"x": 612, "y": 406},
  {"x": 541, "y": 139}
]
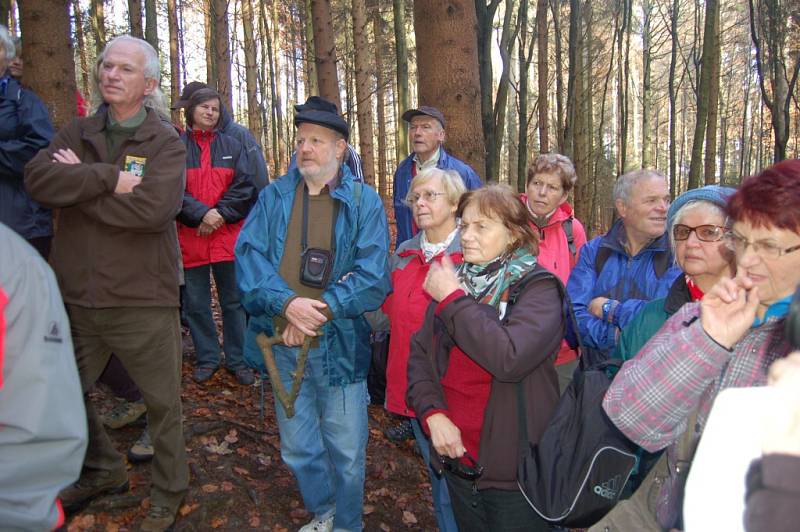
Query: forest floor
[{"x": 238, "y": 481}]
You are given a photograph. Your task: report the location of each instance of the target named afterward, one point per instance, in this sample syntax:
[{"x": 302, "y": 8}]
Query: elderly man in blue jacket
[
  {"x": 426, "y": 130},
  {"x": 617, "y": 273},
  {"x": 311, "y": 258}
]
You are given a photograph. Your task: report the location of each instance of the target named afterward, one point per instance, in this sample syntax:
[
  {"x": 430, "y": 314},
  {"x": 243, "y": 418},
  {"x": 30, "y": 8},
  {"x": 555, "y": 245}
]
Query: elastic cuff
[
  {"x": 612, "y": 312},
  {"x": 286, "y": 305},
  {"x": 728, "y": 349},
  {"x": 455, "y": 294},
  {"x": 423, "y": 422}
]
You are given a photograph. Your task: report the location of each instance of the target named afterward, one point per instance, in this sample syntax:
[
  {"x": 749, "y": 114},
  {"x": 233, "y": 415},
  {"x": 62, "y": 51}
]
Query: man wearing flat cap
[
  {"x": 311, "y": 258},
  {"x": 426, "y": 130},
  {"x": 253, "y": 151}
]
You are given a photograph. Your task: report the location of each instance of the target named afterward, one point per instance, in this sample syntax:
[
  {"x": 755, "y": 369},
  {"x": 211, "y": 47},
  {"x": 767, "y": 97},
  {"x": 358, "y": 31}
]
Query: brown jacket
[
  {"x": 113, "y": 250},
  {"x": 519, "y": 348}
]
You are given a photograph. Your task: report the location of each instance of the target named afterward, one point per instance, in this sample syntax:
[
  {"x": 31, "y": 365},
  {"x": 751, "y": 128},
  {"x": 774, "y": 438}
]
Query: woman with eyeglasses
[
  {"x": 433, "y": 199},
  {"x": 727, "y": 339},
  {"x": 490, "y": 335},
  {"x": 551, "y": 177}
]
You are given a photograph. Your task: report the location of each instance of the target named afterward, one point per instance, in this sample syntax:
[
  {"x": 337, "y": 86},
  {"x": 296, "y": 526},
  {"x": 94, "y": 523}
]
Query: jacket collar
[
  {"x": 677, "y": 296},
  {"x": 413, "y": 246},
  {"x": 562, "y": 212},
  {"x": 615, "y": 239}
]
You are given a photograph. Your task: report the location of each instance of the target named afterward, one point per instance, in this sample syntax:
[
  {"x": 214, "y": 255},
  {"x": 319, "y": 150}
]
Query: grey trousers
[{"x": 147, "y": 341}]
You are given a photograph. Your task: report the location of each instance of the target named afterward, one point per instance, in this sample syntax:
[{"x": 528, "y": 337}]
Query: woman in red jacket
[
  {"x": 487, "y": 344},
  {"x": 433, "y": 199},
  {"x": 551, "y": 177},
  {"x": 219, "y": 194}
]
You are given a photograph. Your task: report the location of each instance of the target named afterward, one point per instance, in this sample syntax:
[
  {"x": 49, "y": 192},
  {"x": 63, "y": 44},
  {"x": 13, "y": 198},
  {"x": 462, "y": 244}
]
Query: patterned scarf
[
  {"x": 431, "y": 250},
  {"x": 488, "y": 283}
]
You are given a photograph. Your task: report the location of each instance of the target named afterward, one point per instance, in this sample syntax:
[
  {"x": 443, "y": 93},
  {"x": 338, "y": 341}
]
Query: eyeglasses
[
  {"x": 548, "y": 188},
  {"x": 473, "y": 471},
  {"x": 429, "y": 196},
  {"x": 766, "y": 250},
  {"x": 705, "y": 233}
]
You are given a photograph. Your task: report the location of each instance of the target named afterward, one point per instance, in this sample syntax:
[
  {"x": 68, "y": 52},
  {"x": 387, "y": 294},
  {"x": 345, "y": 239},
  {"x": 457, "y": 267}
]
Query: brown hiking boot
[
  {"x": 91, "y": 486},
  {"x": 159, "y": 519}
]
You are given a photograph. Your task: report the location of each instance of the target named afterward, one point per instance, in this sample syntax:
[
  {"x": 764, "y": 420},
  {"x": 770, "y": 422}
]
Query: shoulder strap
[
  {"x": 567, "y": 226},
  {"x": 603, "y": 253},
  {"x": 661, "y": 262}
]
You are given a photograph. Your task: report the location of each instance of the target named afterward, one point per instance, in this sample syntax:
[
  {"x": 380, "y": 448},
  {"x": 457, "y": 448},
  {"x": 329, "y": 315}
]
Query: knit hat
[
  {"x": 323, "y": 113},
  {"x": 711, "y": 193}
]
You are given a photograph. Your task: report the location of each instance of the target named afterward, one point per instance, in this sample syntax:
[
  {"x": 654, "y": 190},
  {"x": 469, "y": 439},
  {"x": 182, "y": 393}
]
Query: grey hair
[
  {"x": 7, "y": 44},
  {"x": 625, "y": 182},
  {"x": 152, "y": 70},
  {"x": 453, "y": 184},
  {"x": 711, "y": 208}
]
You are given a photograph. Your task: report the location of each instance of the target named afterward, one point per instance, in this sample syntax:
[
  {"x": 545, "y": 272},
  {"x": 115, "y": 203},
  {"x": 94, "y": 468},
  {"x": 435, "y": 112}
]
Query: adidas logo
[
  {"x": 53, "y": 333},
  {"x": 609, "y": 489}
]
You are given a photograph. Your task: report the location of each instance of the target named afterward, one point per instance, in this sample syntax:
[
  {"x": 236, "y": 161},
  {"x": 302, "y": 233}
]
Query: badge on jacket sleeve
[{"x": 135, "y": 165}]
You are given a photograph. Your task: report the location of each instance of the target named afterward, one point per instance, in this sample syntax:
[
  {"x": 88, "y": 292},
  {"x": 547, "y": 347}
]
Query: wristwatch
[{"x": 607, "y": 308}]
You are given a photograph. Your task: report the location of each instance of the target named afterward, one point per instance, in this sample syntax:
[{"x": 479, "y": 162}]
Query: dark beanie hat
[
  {"x": 186, "y": 95},
  {"x": 323, "y": 113}
]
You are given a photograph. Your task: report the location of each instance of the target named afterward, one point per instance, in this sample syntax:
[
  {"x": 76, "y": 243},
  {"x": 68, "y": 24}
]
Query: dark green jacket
[{"x": 650, "y": 319}]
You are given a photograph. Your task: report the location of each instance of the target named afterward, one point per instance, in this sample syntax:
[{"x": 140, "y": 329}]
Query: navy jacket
[
  {"x": 257, "y": 166},
  {"x": 402, "y": 182},
  {"x": 25, "y": 129}
]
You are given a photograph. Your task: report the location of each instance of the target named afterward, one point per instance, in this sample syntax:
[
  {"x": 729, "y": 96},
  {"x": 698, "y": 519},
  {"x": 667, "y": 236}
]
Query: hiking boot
[
  {"x": 400, "y": 432},
  {"x": 319, "y": 525},
  {"x": 244, "y": 376},
  {"x": 203, "y": 374},
  {"x": 124, "y": 414},
  {"x": 159, "y": 519},
  {"x": 142, "y": 450},
  {"x": 91, "y": 486}
]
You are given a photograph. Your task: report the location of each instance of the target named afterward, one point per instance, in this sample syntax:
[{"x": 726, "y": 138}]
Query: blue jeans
[
  {"x": 197, "y": 301},
  {"x": 325, "y": 443},
  {"x": 441, "y": 497}
]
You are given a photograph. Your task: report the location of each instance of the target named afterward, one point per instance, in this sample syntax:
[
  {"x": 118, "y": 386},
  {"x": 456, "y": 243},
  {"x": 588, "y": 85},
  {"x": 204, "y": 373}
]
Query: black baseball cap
[
  {"x": 424, "y": 110},
  {"x": 319, "y": 111}
]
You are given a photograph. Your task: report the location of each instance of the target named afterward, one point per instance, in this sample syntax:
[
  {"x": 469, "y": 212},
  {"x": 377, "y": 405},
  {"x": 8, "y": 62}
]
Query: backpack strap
[
  {"x": 566, "y": 225},
  {"x": 661, "y": 261},
  {"x": 603, "y": 253}
]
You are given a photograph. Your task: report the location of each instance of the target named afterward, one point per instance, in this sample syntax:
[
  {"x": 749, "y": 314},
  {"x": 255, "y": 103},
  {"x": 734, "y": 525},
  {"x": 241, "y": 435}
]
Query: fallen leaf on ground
[
  {"x": 210, "y": 488},
  {"x": 186, "y": 509},
  {"x": 368, "y": 509},
  {"x": 409, "y": 518},
  {"x": 218, "y": 522},
  {"x": 226, "y": 486}
]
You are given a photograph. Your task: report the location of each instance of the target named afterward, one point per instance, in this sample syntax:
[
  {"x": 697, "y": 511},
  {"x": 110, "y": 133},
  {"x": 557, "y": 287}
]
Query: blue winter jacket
[
  {"x": 255, "y": 155},
  {"x": 25, "y": 129},
  {"x": 362, "y": 251},
  {"x": 630, "y": 280},
  {"x": 402, "y": 181}
]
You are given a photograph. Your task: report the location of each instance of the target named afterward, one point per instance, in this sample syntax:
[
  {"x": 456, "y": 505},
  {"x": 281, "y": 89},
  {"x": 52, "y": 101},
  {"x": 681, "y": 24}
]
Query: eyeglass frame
[
  {"x": 429, "y": 196},
  {"x": 696, "y": 233},
  {"x": 730, "y": 236},
  {"x": 458, "y": 468}
]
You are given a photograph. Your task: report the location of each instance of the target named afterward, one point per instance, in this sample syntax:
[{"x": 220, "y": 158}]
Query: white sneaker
[{"x": 319, "y": 525}]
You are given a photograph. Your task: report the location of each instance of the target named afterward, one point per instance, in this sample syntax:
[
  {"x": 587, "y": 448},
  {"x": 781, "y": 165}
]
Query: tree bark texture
[
  {"x": 542, "y": 74},
  {"x": 703, "y": 92},
  {"x": 507, "y": 38},
  {"x": 647, "y": 134},
  {"x": 151, "y": 23},
  {"x": 135, "y": 17},
  {"x": 485, "y": 26},
  {"x": 80, "y": 38},
  {"x": 447, "y": 64},
  {"x": 363, "y": 88},
  {"x": 48, "y": 52},
  {"x": 311, "y": 64},
  {"x": 401, "y": 58},
  {"x": 174, "y": 57},
  {"x": 673, "y": 113},
  {"x": 710, "y": 165},
  {"x": 325, "y": 51},
  {"x": 379, "y": 30},
  {"x": 525, "y": 56},
  {"x": 98, "y": 24},
  {"x": 223, "y": 53},
  {"x": 211, "y": 46},
  {"x": 251, "y": 69},
  {"x": 5, "y": 11}
]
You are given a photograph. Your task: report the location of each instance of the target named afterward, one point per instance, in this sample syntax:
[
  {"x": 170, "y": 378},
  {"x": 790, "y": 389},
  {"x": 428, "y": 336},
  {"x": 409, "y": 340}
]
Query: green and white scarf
[{"x": 488, "y": 283}]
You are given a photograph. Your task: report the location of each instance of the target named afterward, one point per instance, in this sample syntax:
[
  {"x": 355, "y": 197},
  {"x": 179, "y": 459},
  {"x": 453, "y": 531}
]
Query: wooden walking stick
[{"x": 286, "y": 399}]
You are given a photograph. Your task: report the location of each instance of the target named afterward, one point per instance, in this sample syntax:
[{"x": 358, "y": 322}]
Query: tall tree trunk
[
  {"x": 363, "y": 88},
  {"x": 277, "y": 117},
  {"x": 525, "y": 56},
  {"x": 485, "y": 26},
  {"x": 325, "y": 51},
  {"x": 542, "y": 74},
  {"x": 311, "y": 64},
  {"x": 251, "y": 68},
  {"x": 703, "y": 91},
  {"x": 401, "y": 58},
  {"x": 555, "y": 8},
  {"x": 447, "y": 65},
  {"x": 379, "y": 29},
  {"x": 135, "y": 16},
  {"x": 79, "y": 37},
  {"x": 673, "y": 113},
  {"x": 48, "y": 53},
  {"x": 647, "y": 136},
  {"x": 151, "y": 23},
  {"x": 223, "y": 55},
  {"x": 98, "y": 16},
  {"x": 211, "y": 43},
  {"x": 284, "y": 126},
  {"x": 174, "y": 57},
  {"x": 574, "y": 47},
  {"x": 710, "y": 166},
  {"x": 623, "y": 83},
  {"x": 507, "y": 38},
  {"x": 5, "y": 11}
]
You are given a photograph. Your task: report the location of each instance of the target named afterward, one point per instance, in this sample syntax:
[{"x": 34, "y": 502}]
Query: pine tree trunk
[
  {"x": 485, "y": 26},
  {"x": 151, "y": 23},
  {"x": 647, "y": 134},
  {"x": 174, "y": 58},
  {"x": 211, "y": 43},
  {"x": 379, "y": 29},
  {"x": 325, "y": 51},
  {"x": 97, "y": 11},
  {"x": 135, "y": 17},
  {"x": 5, "y": 11},
  {"x": 703, "y": 92},
  {"x": 447, "y": 64},
  {"x": 48, "y": 52},
  {"x": 251, "y": 69},
  {"x": 223, "y": 55},
  {"x": 542, "y": 74},
  {"x": 363, "y": 88},
  {"x": 525, "y": 55},
  {"x": 555, "y": 8},
  {"x": 673, "y": 113},
  {"x": 507, "y": 38},
  {"x": 311, "y": 64},
  {"x": 401, "y": 59},
  {"x": 79, "y": 37},
  {"x": 710, "y": 166}
]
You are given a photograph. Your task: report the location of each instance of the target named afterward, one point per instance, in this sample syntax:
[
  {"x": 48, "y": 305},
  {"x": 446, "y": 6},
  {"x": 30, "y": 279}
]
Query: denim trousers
[
  {"x": 325, "y": 442},
  {"x": 197, "y": 302},
  {"x": 441, "y": 497}
]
